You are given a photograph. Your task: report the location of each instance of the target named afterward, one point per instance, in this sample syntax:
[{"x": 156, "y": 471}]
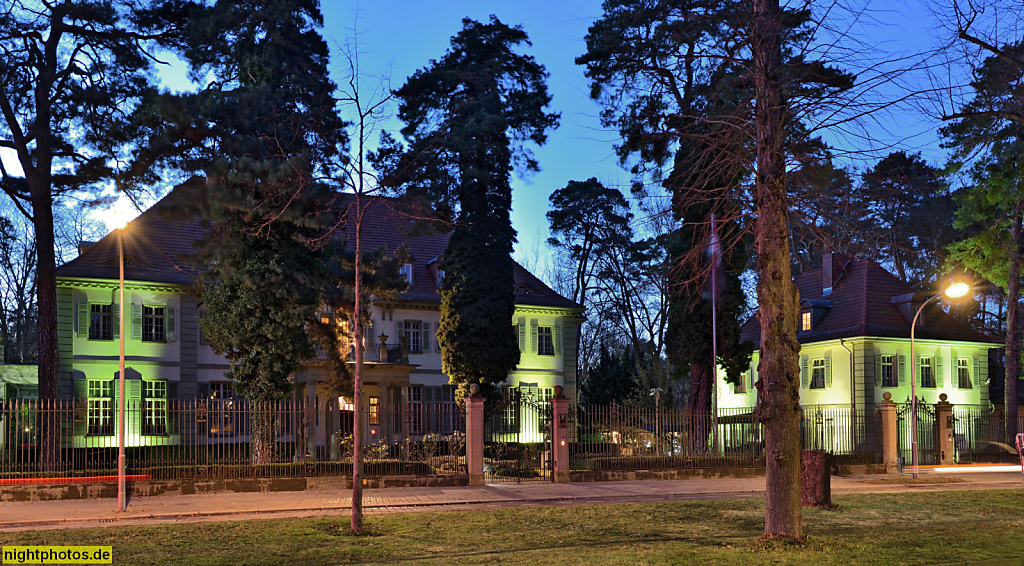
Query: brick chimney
[{"x": 833, "y": 266}]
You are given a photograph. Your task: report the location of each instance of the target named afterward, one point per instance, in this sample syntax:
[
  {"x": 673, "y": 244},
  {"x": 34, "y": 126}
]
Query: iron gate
[
  {"x": 517, "y": 437},
  {"x": 927, "y": 431}
]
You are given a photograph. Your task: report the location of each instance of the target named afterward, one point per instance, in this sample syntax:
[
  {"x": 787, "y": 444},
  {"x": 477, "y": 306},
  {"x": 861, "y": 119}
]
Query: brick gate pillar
[
  {"x": 889, "y": 432},
  {"x": 560, "y": 435},
  {"x": 475, "y": 436},
  {"x": 944, "y": 426}
]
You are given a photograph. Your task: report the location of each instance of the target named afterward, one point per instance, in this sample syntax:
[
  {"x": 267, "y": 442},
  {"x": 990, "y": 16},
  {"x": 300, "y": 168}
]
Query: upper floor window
[
  {"x": 545, "y": 342},
  {"x": 927, "y": 373},
  {"x": 418, "y": 333},
  {"x": 153, "y": 323},
  {"x": 101, "y": 322},
  {"x": 440, "y": 277},
  {"x": 153, "y": 327},
  {"x": 963, "y": 373},
  {"x": 888, "y": 371},
  {"x": 818, "y": 374},
  {"x": 521, "y": 289},
  {"x": 805, "y": 321},
  {"x": 741, "y": 386},
  {"x": 406, "y": 272}
]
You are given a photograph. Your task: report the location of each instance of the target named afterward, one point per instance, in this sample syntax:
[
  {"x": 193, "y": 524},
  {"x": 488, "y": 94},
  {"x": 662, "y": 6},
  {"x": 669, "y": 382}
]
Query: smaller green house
[{"x": 855, "y": 345}]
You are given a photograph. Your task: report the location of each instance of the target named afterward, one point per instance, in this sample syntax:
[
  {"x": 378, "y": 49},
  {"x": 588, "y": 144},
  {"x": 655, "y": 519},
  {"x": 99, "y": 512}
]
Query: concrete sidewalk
[{"x": 234, "y": 506}]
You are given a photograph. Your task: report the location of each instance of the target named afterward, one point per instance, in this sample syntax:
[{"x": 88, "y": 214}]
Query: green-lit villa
[
  {"x": 168, "y": 360},
  {"x": 855, "y": 345}
]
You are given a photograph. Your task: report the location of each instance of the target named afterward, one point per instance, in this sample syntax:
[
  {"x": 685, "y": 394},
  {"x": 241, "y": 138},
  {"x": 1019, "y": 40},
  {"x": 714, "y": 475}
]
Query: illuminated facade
[
  {"x": 168, "y": 360},
  {"x": 855, "y": 346}
]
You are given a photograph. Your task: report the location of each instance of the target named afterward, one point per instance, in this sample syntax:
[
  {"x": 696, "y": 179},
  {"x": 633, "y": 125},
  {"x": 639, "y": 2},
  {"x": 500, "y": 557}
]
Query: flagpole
[{"x": 714, "y": 333}]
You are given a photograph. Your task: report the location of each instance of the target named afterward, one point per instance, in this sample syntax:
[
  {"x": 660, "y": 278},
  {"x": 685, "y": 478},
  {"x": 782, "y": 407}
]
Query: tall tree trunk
[
  {"x": 356, "y": 522},
  {"x": 777, "y": 295},
  {"x": 263, "y": 436},
  {"x": 700, "y": 407},
  {"x": 1012, "y": 325},
  {"x": 46, "y": 321}
]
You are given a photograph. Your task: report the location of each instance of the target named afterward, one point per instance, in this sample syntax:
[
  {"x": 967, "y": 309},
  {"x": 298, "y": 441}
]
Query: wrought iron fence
[
  {"x": 615, "y": 437},
  {"x": 229, "y": 438},
  {"x": 979, "y": 435},
  {"x": 630, "y": 438},
  {"x": 852, "y": 436}
]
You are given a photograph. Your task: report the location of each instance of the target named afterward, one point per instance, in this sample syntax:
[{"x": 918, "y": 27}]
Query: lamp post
[
  {"x": 656, "y": 393},
  {"x": 955, "y": 290},
  {"x": 122, "y": 500}
]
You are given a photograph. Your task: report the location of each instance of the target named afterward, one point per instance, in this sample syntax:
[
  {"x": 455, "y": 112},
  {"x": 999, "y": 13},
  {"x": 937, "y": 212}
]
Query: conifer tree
[
  {"x": 468, "y": 116},
  {"x": 261, "y": 129}
]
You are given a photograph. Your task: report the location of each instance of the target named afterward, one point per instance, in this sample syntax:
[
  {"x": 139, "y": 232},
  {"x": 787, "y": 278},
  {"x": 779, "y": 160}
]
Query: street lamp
[
  {"x": 955, "y": 290},
  {"x": 122, "y": 499},
  {"x": 656, "y": 393}
]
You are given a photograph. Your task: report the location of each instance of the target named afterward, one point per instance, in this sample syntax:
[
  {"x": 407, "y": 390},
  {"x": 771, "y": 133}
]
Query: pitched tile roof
[
  {"x": 159, "y": 246},
  {"x": 861, "y": 304}
]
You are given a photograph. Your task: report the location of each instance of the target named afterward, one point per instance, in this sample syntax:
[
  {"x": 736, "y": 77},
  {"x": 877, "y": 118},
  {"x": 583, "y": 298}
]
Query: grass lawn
[{"x": 904, "y": 528}]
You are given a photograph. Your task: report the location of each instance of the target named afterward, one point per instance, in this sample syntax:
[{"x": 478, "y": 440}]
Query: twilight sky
[{"x": 397, "y": 37}]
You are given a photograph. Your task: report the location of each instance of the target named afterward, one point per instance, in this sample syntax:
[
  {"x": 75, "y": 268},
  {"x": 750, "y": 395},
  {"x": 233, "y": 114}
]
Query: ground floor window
[
  {"x": 224, "y": 409},
  {"x": 374, "y": 411},
  {"x": 154, "y": 408},
  {"x": 100, "y": 408}
]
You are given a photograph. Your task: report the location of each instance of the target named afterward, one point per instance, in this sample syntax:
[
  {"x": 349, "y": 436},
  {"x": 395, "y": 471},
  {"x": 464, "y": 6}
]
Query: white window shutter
[
  {"x": 917, "y": 369},
  {"x": 976, "y": 375},
  {"x": 558, "y": 338},
  {"x": 136, "y": 322},
  {"x": 83, "y": 320},
  {"x": 902, "y": 376},
  {"x": 400, "y": 328},
  {"x": 437, "y": 344},
  {"x": 878, "y": 371},
  {"x": 533, "y": 335},
  {"x": 116, "y": 313},
  {"x": 521, "y": 324},
  {"x": 828, "y": 369},
  {"x": 803, "y": 372},
  {"x": 938, "y": 370},
  {"x": 425, "y": 336},
  {"x": 170, "y": 324}
]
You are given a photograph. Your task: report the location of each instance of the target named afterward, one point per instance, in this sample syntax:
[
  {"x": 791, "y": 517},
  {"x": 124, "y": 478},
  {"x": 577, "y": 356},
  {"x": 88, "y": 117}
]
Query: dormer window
[
  {"x": 406, "y": 272},
  {"x": 811, "y": 313},
  {"x": 521, "y": 289},
  {"x": 440, "y": 277}
]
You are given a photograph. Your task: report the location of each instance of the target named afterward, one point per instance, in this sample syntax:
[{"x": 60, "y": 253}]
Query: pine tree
[
  {"x": 468, "y": 116},
  {"x": 68, "y": 72},
  {"x": 261, "y": 128}
]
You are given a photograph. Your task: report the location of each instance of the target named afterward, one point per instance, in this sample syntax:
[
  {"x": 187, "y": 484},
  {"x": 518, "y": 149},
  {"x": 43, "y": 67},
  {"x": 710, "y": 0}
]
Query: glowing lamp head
[
  {"x": 957, "y": 290},
  {"x": 119, "y": 215}
]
